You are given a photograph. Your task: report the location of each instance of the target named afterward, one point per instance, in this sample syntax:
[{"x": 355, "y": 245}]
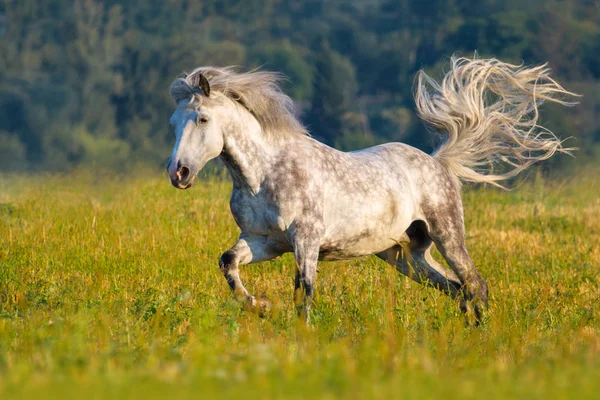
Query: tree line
[{"x": 86, "y": 81}]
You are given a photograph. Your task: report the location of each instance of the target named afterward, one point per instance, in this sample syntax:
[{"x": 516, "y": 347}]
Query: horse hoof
[
  {"x": 261, "y": 306},
  {"x": 264, "y": 306},
  {"x": 474, "y": 311}
]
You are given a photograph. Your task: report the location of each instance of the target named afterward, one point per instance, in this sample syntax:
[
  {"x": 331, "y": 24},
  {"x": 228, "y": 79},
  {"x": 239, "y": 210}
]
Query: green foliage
[
  {"x": 12, "y": 152},
  {"x": 289, "y": 60},
  {"x": 110, "y": 285},
  {"x": 333, "y": 94},
  {"x": 104, "y": 67}
]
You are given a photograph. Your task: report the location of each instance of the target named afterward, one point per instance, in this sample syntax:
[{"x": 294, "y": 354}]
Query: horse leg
[
  {"x": 247, "y": 250},
  {"x": 306, "y": 252},
  {"x": 448, "y": 234},
  {"x": 415, "y": 261}
]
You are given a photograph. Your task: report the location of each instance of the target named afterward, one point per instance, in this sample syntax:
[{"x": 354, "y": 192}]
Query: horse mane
[{"x": 257, "y": 91}]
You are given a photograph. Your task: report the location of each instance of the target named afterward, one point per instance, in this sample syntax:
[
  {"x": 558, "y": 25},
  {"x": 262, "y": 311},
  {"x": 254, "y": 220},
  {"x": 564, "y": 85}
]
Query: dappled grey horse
[{"x": 292, "y": 193}]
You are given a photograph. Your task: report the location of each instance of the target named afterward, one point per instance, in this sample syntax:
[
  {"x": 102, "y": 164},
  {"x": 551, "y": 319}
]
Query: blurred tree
[
  {"x": 334, "y": 92},
  {"x": 288, "y": 59},
  {"x": 87, "y": 80},
  {"x": 12, "y": 152}
]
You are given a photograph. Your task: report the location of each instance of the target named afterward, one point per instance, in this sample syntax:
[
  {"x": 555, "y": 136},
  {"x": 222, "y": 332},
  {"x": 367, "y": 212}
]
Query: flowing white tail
[{"x": 489, "y": 111}]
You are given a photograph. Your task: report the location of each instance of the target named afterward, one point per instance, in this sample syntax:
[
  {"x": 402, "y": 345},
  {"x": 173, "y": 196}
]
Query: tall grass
[{"x": 109, "y": 288}]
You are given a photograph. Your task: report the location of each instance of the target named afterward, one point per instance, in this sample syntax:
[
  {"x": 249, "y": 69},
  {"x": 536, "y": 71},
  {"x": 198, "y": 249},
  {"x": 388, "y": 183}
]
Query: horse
[{"x": 292, "y": 193}]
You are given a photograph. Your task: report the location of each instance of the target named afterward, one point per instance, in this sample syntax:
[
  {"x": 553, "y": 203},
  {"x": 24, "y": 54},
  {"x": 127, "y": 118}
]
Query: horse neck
[{"x": 247, "y": 153}]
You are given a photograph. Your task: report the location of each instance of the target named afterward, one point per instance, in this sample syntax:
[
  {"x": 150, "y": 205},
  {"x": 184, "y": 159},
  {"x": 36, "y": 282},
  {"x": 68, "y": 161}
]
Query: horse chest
[{"x": 255, "y": 213}]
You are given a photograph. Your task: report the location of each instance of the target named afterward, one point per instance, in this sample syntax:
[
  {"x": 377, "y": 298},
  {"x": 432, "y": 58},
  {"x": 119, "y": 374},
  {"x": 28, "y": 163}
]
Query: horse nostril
[{"x": 182, "y": 173}]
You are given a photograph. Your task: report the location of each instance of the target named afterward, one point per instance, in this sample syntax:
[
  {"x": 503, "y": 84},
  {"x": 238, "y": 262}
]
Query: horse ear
[{"x": 198, "y": 80}]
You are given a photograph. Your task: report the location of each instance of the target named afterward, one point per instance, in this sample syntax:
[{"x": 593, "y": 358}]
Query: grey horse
[{"x": 292, "y": 193}]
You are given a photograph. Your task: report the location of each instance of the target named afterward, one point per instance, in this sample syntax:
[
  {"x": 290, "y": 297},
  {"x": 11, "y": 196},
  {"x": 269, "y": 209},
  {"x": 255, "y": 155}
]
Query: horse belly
[{"x": 371, "y": 239}]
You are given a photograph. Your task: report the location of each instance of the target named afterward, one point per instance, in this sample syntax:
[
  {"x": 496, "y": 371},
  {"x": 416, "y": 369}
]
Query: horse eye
[{"x": 202, "y": 120}]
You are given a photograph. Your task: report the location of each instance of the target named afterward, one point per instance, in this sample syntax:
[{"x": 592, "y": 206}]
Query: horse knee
[{"x": 226, "y": 261}]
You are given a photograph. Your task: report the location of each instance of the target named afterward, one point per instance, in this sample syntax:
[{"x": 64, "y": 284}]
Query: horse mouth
[{"x": 182, "y": 185}]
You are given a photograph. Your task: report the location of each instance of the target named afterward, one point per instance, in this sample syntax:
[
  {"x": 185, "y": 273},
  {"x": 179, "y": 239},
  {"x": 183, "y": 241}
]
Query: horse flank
[{"x": 257, "y": 91}]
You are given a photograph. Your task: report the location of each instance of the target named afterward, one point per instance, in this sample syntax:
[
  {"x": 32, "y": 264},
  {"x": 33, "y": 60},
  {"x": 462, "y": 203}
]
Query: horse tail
[{"x": 488, "y": 111}]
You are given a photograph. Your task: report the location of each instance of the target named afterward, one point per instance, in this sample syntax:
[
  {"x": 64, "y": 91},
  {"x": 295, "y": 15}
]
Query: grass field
[{"x": 109, "y": 288}]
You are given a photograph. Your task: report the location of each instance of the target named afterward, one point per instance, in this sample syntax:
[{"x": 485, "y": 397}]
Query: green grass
[{"x": 109, "y": 288}]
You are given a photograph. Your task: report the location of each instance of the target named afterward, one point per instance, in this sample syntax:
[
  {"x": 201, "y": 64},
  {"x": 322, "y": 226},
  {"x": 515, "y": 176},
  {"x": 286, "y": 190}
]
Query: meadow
[{"x": 110, "y": 288}]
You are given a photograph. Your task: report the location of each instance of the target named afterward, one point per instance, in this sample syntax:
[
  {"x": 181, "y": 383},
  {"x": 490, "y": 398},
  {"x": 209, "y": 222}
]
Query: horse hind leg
[
  {"x": 448, "y": 233},
  {"x": 414, "y": 260}
]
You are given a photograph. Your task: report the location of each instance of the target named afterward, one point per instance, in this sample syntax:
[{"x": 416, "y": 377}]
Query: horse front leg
[
  {"x": 247, "y": 250},
  {"x": 306, "y": 252}
]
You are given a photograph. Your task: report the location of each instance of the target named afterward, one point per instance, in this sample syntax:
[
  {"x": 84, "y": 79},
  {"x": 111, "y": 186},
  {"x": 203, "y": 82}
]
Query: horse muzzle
[{"x": 181, "y": 175}]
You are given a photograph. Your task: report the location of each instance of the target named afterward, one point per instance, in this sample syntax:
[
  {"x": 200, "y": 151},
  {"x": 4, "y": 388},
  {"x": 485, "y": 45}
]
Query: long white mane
[{"x": 258, "y": 91}]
